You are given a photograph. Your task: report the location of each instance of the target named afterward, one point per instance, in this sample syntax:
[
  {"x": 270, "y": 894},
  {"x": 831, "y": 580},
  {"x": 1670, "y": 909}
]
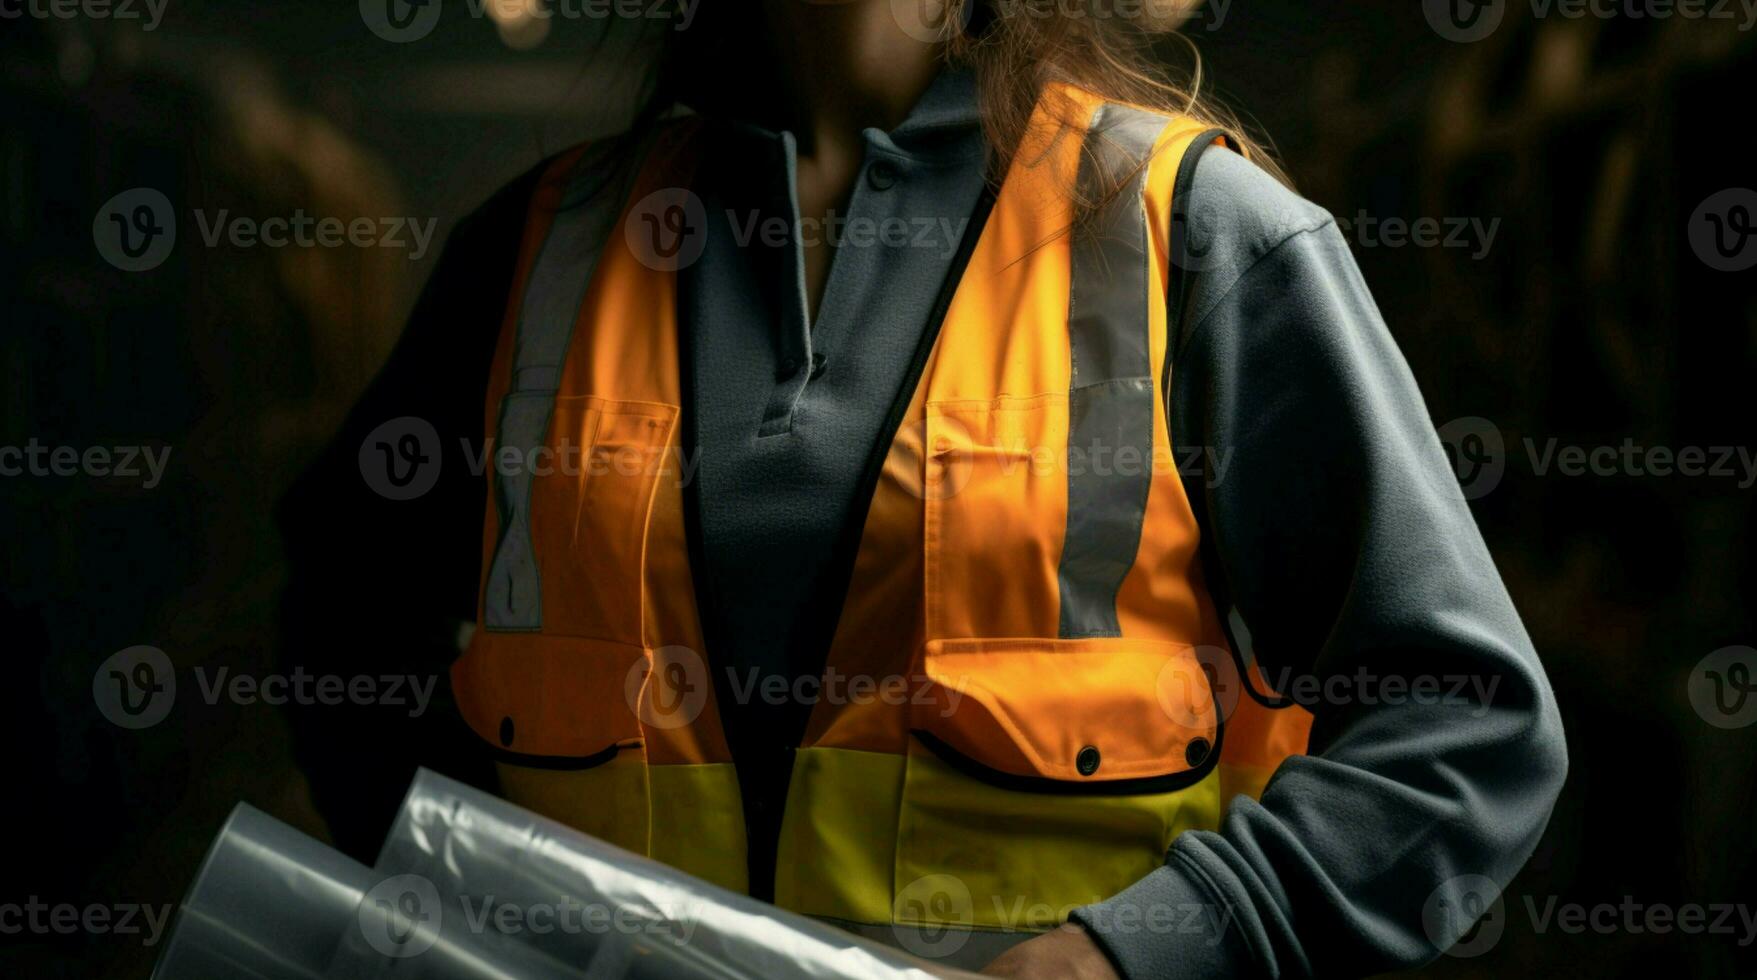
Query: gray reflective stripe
[
  {"x": 1110, "y": 396},
  {"x": 959, "y": 947},
  {"x": 513, "y": 597}
]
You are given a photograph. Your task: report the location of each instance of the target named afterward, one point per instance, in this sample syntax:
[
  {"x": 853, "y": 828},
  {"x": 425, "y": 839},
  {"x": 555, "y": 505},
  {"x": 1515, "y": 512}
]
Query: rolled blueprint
[
  {"x": 492, "y": 866},
  {"x": 269, "y": 903}
]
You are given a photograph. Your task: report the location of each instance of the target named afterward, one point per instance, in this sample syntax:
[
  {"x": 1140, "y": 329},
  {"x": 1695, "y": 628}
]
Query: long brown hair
[
  {"x": 1015, "y": 48},
  {"x": 1018, "y": 47}
]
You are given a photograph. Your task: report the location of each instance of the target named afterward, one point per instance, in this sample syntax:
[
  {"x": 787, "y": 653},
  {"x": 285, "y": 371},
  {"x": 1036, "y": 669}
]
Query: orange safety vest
[{"x": 1028, "y": 695}]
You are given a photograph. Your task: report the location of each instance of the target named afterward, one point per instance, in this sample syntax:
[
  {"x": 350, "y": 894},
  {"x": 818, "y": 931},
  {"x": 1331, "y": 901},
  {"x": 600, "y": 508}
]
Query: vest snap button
[
  {"x": 1087, "y": 760},
  {"x": 1196, "y": 752}
]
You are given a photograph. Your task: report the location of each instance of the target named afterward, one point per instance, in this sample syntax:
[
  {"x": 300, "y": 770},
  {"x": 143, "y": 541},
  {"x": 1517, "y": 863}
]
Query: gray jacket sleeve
[{"x": 1336, "y": 529}]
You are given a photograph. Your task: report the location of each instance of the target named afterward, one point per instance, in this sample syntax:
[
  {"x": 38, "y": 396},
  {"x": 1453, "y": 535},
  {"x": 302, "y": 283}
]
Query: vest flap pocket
[
  {"x": 551, "y": 702},
  {"x": 591, "y": 501},
  {"x": 1100, "y": 716}
]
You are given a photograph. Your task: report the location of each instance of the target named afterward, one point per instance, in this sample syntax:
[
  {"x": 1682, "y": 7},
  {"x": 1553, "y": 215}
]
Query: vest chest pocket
[
  {"x": 995, "y": 494},
  {"x": 1047, "y": 774},
  {"x": 574, "y": 514}
]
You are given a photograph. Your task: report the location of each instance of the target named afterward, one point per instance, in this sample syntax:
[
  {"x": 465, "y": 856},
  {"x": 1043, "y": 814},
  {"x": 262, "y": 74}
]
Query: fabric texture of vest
[{"x": 1029, "y": 693}]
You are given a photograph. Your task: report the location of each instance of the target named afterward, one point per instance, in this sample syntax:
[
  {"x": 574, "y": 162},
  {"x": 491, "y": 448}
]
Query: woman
[{"x": 894, "y": 457}]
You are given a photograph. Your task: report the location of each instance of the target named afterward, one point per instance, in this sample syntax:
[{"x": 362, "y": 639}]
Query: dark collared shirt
[
  {"x": 787, "y": 409},
  {"x": 1337, "y": 528}
]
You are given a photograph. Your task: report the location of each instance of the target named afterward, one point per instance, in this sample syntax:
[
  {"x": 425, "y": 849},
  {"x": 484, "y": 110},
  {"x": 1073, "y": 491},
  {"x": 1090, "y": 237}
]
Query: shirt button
[{"x": 882, "y": 176}]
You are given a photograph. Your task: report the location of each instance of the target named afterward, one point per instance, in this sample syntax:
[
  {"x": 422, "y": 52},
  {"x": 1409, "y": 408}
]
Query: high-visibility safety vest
[{"x": 1027, "y": 695}]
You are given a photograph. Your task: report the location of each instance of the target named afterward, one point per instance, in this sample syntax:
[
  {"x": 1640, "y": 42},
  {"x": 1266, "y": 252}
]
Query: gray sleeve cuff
[{"x": 1170, "y": 916}]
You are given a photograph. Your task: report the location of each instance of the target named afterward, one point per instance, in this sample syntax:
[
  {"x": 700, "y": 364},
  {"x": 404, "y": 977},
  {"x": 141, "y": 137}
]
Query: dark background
[{"x": 1590, "y": 320}]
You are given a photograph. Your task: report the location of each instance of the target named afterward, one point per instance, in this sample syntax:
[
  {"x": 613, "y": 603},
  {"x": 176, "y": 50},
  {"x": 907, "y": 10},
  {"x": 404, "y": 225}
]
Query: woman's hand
[{"x": 1067, "y": 953}]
